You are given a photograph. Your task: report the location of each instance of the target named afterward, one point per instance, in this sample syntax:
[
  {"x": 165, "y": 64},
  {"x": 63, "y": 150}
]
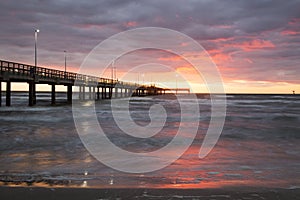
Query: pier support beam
[
  {"x": 69, "y": 94},
  {"x": 125, "y": 92},
  {"x": 31, "y": 93},
  {"x": 116, "y": 92},
  {"x": 103, "y": 92},
  {"x": 80, "y": 93},
  {"x": 94, "y": 93},
  {"x": 34, "y": 94},
  {"x": 83, "y": 92},
  {"x": 0, "y": 93},
  {"x": 8, "y": 93},
  {"x": 53, "y": 94},
  {"x": 98, "y": 93},
  {"x": 110, "y": 92},
  {"x": 90, "y": 92}
]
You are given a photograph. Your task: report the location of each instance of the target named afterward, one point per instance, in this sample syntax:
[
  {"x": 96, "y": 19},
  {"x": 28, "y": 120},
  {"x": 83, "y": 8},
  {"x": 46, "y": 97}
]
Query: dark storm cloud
[{"x": 223, "y": 26}]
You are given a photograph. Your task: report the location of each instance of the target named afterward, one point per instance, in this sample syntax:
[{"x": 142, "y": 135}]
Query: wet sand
[{"x": 15, "y": 193}]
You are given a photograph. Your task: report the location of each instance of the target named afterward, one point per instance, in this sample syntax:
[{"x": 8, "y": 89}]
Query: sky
[{"x": 255, "y": 44}]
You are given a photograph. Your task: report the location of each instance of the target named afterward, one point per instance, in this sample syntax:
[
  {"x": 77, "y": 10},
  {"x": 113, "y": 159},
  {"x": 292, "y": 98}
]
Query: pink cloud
[
  {"x": 253, "y": 45},
  {"x": 223, "y": 26},
  {"x": 249, "y": 60},
  {"x": 131, "y": 24},
  {"x": 294, "y": 21},
  {"x": 289, "y": 32},
  {"x": 219, "y": 57}
]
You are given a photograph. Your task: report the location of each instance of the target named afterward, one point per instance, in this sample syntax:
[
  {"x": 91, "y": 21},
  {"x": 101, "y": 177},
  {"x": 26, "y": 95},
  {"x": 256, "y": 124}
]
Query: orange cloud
[
  {"x": 173, "y": 58},
  {"x": 186, "y": 69},
  {"x": 221, "y": 39},
  {"x": 218, "y": 56},
  {"x": 131, "y": 24},
  {"x": 189, "y": 74},
  {"x": 254, "y": 44},
  {"x": 289, "y": 32}
]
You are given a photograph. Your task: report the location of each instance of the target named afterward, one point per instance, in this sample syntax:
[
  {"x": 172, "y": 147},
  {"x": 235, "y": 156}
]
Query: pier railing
[{"x": 32, "y": 72}]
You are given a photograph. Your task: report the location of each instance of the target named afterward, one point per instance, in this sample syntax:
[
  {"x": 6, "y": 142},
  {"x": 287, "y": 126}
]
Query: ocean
[{"x": 259, "y": 145}]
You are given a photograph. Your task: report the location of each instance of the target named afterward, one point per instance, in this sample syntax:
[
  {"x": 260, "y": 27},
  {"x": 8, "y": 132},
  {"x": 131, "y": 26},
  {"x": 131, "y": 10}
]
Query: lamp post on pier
[
  {"x": 65, "y": 55},
  {"x": 112, "y": 71},
  {"x": 32, "y": 92},
  {"x": 36, "y": 31},
  {"x": 176, "y": 83}
]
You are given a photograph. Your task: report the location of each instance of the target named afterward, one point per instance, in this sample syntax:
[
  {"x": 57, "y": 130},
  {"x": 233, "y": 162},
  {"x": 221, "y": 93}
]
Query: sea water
[{"x": 259, "y": 145}]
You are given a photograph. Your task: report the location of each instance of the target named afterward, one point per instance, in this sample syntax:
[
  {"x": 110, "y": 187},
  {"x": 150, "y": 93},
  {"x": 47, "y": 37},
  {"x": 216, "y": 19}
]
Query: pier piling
[
  {"x": 8, "y": 93},
  {"x": 30, "y": 93},
  {"x": 53, "y": 94},
  {"x": 98, "y": 93},
  {"x": 0, "y": 93},
  {"x": 69, "y": 93}
]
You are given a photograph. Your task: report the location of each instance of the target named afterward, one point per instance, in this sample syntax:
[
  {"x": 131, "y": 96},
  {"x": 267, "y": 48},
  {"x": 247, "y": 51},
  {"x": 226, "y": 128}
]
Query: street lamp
[
  {"x": 65, "y": 53},
  {"x": 35, "y": 46},
  {"x": 112, "y": 71},
  {"x": 176, "y": 83}
]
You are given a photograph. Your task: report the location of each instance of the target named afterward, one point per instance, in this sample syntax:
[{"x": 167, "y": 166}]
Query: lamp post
[
  {"x": 35, "y": 46},
  {"x": 176, "y": 83},
  {"x": 32, "y": 92},
  {"x": 65, "y": 53},
  {"x": 112, "y": 71}
]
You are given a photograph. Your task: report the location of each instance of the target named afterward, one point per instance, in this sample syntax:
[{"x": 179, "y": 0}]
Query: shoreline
[{"x": 15, "y": 193}]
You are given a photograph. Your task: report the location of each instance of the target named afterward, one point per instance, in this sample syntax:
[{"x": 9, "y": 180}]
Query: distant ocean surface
[{"x": 259, "y": 145}]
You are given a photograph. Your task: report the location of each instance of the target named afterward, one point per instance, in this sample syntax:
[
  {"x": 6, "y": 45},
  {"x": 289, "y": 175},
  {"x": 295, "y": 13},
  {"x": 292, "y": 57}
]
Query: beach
[{"x": 93, "y": 194}]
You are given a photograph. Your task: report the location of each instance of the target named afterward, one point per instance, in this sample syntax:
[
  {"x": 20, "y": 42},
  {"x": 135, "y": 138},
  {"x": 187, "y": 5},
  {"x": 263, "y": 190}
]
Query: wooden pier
[
  {"x": 178, "y": 90},
  {"x": 98, "y": 88}
]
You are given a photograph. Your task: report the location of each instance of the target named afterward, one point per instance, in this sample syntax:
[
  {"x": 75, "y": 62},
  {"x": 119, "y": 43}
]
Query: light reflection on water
[{"x": 258, "y": 147}]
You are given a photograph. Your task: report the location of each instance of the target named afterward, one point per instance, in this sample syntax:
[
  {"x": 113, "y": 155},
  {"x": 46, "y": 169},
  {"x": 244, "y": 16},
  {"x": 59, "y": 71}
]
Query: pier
[
  {"x": 90, "y": 87},
  {"x": 178, "y": 90}
]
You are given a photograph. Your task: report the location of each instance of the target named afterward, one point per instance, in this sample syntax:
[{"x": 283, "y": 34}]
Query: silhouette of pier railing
[{"x": 99, "y": 88}]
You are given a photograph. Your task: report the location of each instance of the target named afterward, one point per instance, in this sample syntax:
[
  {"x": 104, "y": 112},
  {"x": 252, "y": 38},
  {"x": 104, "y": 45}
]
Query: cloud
[
  {"x": 254, "y": 40},
  {"x": 253, "y": 45}
]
